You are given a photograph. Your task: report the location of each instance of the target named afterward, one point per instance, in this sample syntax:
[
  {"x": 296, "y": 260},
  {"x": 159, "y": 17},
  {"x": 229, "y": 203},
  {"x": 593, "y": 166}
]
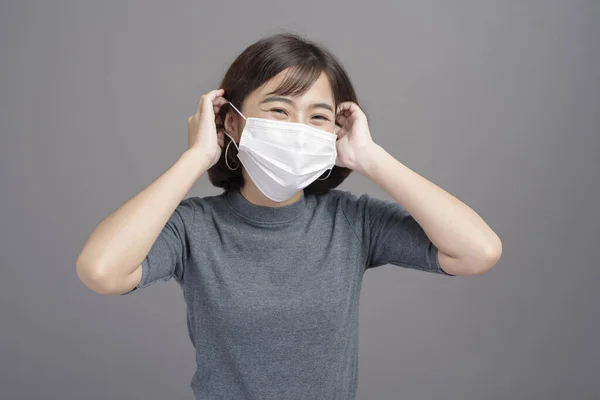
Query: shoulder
[
  {"x": 194, "y": 207},
  {"x": 339, "y": 197},
  {"x": 335, "y": 200},
  {"x": 357, "y": 205}
]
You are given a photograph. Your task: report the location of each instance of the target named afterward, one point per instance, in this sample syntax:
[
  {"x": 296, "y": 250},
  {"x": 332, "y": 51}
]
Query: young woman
[{"x": 271, "y": 269}]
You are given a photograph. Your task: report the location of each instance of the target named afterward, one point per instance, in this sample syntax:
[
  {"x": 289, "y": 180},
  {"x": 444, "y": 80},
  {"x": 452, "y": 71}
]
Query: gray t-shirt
[{"x": 272, "y": 294}]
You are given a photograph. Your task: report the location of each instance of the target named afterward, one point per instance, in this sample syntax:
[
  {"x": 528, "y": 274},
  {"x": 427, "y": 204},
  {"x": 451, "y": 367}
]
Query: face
[{"x": 315, "y": 107}]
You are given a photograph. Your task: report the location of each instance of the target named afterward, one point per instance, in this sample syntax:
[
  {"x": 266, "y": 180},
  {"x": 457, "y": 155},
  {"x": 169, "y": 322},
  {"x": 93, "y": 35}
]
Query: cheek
[
  {"x": 240, "y": 126},
  {"x": 329, "y": 126}
]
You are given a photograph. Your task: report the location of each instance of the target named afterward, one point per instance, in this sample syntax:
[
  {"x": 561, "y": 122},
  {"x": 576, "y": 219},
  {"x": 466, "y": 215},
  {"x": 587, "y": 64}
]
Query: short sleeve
[
  {"x": 390, "y": 235},
  {"x": 168, "y": 256}
]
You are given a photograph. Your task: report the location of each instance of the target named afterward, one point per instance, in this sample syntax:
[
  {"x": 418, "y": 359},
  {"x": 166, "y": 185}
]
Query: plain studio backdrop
[{"x": 496, "y": 102}]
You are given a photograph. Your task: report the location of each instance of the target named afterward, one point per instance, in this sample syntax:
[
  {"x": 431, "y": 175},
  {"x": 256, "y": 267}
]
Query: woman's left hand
[{"x": 354, "y": 143}]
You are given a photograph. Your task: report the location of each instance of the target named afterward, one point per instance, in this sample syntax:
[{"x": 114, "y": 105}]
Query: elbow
[
  {"x": 95, "y": 277},
  {"x": 488, "y": 259},
  {"x": 475, "y": 263}
]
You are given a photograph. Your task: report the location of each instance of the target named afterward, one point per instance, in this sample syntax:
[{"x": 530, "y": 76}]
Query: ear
[{"x": 232, "y": 123}]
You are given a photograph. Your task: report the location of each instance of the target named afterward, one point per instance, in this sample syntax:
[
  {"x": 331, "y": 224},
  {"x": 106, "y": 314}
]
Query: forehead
[{"x": 320, "y": 91}]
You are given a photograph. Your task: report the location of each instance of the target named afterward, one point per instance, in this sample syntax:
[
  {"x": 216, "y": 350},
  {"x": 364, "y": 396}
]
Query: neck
[{"x": 255, "y": 196}]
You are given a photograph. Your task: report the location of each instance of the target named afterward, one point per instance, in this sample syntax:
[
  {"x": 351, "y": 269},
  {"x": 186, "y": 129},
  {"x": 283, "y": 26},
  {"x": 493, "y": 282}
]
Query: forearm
[
  {"x": 451, "y": 225},
  {"x": 118, "y": 245}
]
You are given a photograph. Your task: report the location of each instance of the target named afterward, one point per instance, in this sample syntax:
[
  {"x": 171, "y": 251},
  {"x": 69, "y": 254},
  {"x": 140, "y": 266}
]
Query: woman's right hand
[{"x": 202, "y": 128}]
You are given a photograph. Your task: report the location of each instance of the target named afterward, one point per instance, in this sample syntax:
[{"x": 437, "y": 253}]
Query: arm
[
  {"x": 466, "y": 244},
  {"x": 110, "y": 260}
]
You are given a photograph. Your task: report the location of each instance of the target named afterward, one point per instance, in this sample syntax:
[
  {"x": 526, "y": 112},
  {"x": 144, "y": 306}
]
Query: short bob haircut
[{"x": 256, "y": 65}]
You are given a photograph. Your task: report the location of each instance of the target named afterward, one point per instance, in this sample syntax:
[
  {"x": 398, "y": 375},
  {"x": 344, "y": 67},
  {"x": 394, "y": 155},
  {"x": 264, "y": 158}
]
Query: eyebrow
[{"x": 286, "y": 100}]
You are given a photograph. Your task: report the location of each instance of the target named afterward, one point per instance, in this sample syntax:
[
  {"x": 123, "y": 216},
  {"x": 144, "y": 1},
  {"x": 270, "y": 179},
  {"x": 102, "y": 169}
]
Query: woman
[{"x": 271, "y": 269}]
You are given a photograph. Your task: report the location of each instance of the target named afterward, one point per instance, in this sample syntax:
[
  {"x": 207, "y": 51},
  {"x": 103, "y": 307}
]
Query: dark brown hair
[{"x": 256, "y": 65}]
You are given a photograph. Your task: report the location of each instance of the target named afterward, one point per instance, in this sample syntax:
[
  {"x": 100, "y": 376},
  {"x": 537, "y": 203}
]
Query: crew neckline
[{"x": 265, "y": 214}]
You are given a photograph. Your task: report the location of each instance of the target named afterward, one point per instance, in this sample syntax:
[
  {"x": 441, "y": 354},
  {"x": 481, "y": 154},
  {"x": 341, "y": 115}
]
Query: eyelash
[
  {"x": 279, "y": 110},
  {"x": 324, "y": 118}
]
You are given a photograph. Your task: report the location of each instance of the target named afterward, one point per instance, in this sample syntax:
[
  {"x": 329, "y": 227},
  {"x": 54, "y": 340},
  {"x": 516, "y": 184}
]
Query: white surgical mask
[{"x": 284, "y": 157}]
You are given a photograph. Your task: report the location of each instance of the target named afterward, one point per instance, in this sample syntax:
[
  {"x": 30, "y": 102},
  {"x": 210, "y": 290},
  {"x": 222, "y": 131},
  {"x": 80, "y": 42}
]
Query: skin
[{"x": 110, "y": 260}]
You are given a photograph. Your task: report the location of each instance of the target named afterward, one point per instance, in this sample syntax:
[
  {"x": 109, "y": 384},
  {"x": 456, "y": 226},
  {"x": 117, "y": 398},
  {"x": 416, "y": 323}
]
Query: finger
[
  {"x": 349, "y": 111},
  {"x": 218, "y": 104},
  {"x": 213, "y": 94},
  {"x": 348, "y": 107},
  {"x": 221, "y": 139},
  {"x": 341, "y": 119},
  {"x": 219, "y": 101},
  {"x": 209, "y": 97}
]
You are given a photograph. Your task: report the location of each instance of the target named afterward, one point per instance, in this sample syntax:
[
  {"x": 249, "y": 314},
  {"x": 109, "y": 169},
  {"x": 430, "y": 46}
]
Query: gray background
[{"x": 496, "y": 102}]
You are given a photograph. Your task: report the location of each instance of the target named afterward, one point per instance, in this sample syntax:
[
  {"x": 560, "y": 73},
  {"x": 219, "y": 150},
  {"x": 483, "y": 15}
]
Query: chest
[{"x": 290, "y": 280}]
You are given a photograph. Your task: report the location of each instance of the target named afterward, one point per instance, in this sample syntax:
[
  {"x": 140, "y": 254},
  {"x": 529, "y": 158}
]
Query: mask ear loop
[
  {"x": 227, "y": 149},
  {"x": 232, "y": 140},
  {"x": 238, "y": 111},
  {"x": 330, "y": 169}
]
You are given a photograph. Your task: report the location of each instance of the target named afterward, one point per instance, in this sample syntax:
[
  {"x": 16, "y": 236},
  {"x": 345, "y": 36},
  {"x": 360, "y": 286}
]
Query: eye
[
  {"x": 279, "y": 111},
  {"x": 321, "y": 117}
]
